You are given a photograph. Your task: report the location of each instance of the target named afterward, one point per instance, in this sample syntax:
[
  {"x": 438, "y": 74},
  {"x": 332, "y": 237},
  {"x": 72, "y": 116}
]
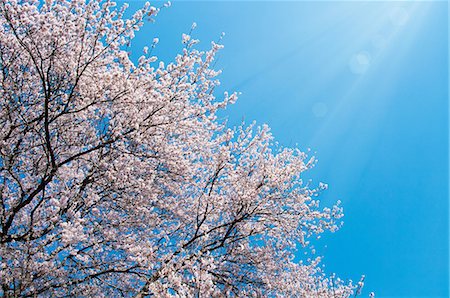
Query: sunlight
[{"x": 377, "y": 36}]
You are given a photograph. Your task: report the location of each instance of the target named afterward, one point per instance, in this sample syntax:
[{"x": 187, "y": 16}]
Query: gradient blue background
[{"x": 365, "y": 86}]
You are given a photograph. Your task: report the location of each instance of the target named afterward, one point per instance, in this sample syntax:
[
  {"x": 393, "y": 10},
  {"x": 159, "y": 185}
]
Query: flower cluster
[{"x": 118, "y": 179}]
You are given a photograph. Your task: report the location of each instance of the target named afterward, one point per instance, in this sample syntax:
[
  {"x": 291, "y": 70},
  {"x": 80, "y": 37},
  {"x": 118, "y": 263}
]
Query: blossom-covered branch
[{"x": 117, "y": 179}]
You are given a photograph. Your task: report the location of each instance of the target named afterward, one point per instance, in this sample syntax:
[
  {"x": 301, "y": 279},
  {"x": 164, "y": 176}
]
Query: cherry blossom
[{"x": 118, "y": 179}]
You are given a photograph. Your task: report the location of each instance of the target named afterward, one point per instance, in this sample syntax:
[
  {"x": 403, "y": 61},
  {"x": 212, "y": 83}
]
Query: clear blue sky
[{"x": 365, "y": 86}]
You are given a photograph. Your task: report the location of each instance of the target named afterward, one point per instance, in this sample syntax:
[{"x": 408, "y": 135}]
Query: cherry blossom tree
[{"x": 118, "y": 179}]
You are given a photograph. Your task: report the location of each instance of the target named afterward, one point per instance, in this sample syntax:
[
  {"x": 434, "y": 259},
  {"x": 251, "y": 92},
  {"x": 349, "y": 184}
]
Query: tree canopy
[{"x": 118, "y": 179}]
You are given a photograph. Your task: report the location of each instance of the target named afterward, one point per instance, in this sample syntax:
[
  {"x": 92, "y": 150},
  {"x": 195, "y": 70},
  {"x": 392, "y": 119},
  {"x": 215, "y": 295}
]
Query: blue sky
[{"x": 365, "y": 86}]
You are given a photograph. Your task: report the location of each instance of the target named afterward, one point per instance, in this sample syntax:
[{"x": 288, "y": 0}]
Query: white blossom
[{"x": 118, "y": 178}]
